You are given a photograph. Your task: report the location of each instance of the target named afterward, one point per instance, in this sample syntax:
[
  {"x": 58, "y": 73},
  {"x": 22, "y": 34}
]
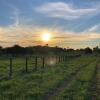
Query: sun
[{"x": 46, "y": 37}]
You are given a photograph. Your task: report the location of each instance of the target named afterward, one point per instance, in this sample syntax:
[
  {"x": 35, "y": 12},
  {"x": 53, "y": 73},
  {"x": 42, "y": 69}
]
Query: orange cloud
[{"x": 31, "y": 35}]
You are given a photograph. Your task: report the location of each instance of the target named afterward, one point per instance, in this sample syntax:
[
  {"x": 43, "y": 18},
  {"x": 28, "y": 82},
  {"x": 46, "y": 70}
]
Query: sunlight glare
[{"x": 46, "y": 37}]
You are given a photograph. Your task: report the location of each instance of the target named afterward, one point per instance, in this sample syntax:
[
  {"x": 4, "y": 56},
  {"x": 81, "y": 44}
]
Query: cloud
[
  {"x": 64, "y": 10},
  {"x": 16, "y": 16},
  {"x": 26, "y": 35},
  {"x": 74, "y": 37},
  {"x": 94, "y": 28},
  {"x": 74, "y": 40}
]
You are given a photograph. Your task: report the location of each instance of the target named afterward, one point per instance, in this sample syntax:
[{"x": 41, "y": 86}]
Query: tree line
[{"x": 16, "y": 49}]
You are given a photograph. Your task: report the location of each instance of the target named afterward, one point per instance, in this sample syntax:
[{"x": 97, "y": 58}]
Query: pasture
[{"x": 50, "y": 78}]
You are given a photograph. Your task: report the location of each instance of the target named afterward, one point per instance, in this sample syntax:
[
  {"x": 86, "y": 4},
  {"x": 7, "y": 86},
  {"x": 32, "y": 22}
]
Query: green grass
[
  {"x": 78, "y": 89},
  {"x": 98, "y": 82},
  {"x": 34, "y": 85}
]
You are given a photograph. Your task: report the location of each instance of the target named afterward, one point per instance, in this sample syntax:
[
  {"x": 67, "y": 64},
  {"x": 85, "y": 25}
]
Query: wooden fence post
[
  {"x": 56, "y": 59},
  {"x": 43, "y": 63},
  {"x": 26, "y": 65},
  {"x": 35, "y": 63},
  {"x": 63, "y": 58},
  {"x": 10, "y": 68},
  {"x": 59, "y": 58}
]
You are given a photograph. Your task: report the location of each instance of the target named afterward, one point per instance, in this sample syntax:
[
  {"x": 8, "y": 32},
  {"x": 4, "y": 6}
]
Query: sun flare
[{"x": 46, "y": 37}]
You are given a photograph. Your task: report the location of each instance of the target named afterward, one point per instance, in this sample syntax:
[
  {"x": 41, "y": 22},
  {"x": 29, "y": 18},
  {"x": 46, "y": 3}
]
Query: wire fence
[{"x": 11, "y": 65}]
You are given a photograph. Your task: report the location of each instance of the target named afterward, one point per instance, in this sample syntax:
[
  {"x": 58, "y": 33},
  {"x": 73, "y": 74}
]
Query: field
[{"x": 76, "y": 78}]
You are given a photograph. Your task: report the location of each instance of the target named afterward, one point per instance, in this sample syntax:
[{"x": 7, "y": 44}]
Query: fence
[{"x": 45, "y": 61}]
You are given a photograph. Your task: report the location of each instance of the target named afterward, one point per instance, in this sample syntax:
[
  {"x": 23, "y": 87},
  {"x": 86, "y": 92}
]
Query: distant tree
[
  {"x": 1, "y": 50},
  {"x": 16, "y": 49},
  {"x": 70, "y": 50},
  {"x": 96, "y": 50},
  {"x": 1, "y": 47},
  {"x": 80, "y": 51},
  {"x": 88, "y": 50},
  {"x": 35, "y": 50}
]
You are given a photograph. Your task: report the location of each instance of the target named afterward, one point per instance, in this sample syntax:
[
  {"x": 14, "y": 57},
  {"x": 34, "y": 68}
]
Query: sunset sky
[{"x": 71, "y": 23}]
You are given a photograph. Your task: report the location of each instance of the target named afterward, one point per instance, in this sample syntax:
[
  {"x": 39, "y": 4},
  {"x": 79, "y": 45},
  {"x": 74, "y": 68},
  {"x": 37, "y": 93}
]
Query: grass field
[{"x": 73, "y": 79}]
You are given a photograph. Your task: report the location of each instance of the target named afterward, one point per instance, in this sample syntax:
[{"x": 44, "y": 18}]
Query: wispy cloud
[
  {"x": 94, "y": 28},
  {"x": 30, "y": 35},
  {"x": 24, "y": 35},
  {"x": 16, "y": 16},
  {"x": 72, "y": 36},
  {"x": 64, "y": 10},
  {"x": 19, "y": 32}
]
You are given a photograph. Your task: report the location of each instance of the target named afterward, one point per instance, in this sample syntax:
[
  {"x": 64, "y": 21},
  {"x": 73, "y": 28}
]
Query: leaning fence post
[
  {"x": 35, "y": 63},
  {"x": 10, "y": 68},
  {"x": 26, "y": 64}
]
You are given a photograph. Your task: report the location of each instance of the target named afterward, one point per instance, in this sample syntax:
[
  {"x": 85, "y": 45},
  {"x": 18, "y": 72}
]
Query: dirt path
[{"x": 66, "y": 83}]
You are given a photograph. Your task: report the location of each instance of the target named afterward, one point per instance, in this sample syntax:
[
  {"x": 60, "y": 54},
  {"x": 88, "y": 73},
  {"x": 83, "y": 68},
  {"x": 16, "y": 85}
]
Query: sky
[{"x": 71, "y": 23}]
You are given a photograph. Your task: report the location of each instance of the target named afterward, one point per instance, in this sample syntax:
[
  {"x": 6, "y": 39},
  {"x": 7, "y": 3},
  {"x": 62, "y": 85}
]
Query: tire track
[
  {"x": 93, "y": 91},
  {"x": 52, "y": 95}
]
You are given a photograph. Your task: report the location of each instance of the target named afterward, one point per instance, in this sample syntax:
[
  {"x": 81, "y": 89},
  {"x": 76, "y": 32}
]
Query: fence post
[
  {"x": 59, "y": 58},
  {"x": 35, "y": 63},
  {"x": 63, "y": 58},
  {"x": 43, "y": 63},
  {"x": 56, "y": 59},
  {"x": 26, "y": 65},
  {"x": 10, "y": 68}
]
